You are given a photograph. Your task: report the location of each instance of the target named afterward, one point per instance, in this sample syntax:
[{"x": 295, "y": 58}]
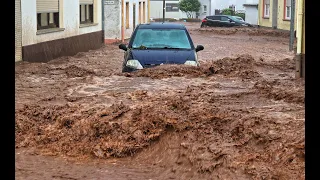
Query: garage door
[{"x": 18, "y": 45}]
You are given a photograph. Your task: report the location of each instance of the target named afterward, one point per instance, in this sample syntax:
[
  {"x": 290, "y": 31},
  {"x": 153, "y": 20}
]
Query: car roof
[{"x": 160, "y": 25}]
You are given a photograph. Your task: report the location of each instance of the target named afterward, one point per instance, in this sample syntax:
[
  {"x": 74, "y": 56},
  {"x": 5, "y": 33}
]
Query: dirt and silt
[{"x": 240, "y": 115}]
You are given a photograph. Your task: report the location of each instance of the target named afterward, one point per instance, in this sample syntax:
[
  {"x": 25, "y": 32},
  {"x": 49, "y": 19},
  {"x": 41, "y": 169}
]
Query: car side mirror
[
  {"x": 123, "y": 47},
  {"x": 199, "y": 48}
]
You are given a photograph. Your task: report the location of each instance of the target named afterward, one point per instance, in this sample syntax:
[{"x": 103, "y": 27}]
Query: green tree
[
  {"x": 189, "y": 7},
  {"x": 227, "y": 11}
]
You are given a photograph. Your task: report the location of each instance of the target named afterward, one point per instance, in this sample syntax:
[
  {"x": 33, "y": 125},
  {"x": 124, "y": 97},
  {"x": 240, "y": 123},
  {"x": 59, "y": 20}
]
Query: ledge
[
  {"x": 265, "y": 17},
  {"x": 87, "y": 25},
  {"x": 51, "y": 30},
  {"x": 286, "y": 19}
]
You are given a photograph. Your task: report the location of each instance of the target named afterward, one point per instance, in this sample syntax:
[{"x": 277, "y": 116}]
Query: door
[
  {"x": 134, "y": 15},
  {"x": 18, "y": 32},
  {"x": 225, "y": 22},
  {"x": 274, "y": 14}
]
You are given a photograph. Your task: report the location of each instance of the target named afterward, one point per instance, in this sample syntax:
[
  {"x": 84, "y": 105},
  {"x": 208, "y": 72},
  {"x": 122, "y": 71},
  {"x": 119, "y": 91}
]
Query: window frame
[
  {"x": 204, "y": 8},
  {"x": 286, "y": 17},
  {"x": 266, "y": 9},
  {"x": 89, "y": 18},
  {"x": 53, "y": 21}
]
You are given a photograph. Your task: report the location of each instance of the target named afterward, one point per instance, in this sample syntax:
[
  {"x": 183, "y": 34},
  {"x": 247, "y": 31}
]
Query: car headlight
[
  {"x": 244, "y": 24},
  {"x": 134, "y": 64},
  {"x": 192, "y": 63}
]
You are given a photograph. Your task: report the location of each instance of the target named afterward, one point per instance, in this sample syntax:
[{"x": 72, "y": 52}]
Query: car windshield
[
  {"x": 236, "y": 18},
  {"x": 161, "y": 38}
]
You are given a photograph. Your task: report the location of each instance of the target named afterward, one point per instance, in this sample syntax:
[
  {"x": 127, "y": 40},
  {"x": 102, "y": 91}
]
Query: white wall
[
  {"x": 252, "y": 15},
  {"x": 156, "y": 10},
  {"x": 69, "y": 12},
  {"x": 128, "y": 32},
  {"x": 222, "y": 4},
  {"x": 112, "y": 20},
  {"x": 202, "y": 13}
]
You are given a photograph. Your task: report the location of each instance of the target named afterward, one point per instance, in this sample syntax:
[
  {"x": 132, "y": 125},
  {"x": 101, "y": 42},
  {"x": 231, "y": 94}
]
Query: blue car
[{"x": 159, "y": 43}]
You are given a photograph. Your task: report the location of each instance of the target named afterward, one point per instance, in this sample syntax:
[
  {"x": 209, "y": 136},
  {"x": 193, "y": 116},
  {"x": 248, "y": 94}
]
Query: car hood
[{"x": 162, "y": 56}]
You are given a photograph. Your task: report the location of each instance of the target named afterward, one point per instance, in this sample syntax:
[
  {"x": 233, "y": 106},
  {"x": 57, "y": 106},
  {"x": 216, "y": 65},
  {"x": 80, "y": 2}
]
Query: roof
[{"x": 160, "y": 25}]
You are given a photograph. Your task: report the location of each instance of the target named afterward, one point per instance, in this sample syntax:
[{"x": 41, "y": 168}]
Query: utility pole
[
  {"x": 292, "y": 25},
  {"x": 163, "y": 10}
]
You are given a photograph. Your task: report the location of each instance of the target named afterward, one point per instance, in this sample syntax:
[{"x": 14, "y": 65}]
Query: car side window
[
  {"x": 215, "y": 17},
  {"x": 224, "y": 19}
]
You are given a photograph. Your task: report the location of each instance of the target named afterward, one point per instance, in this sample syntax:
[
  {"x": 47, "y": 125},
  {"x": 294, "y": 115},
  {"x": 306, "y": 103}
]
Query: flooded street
[{"x": 240, "y": 115}]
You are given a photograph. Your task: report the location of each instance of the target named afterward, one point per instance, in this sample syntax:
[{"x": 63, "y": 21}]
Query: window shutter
[
  {"x": 46, "y": 6},
  {"x": 86, "y": 1},
  {"x": 288, "y": 3}
]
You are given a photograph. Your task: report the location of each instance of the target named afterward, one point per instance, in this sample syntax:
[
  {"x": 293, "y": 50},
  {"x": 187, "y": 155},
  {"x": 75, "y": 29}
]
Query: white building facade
[{"x": 47, "y": 29}]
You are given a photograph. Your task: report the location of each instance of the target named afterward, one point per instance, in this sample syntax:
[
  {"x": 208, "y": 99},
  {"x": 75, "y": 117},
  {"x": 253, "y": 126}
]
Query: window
[
  {"x": 266, "y": 8},
  {"x": 86, "y": 11},
  {"x": 287, "y": 10},
  {"x": 204, "y": 8},
  {"x": 127, "y": 15},
  {"x": 47, "y": 14},
  {"x": 172, "y": 7},
  {"x": 224, "y": 18}
]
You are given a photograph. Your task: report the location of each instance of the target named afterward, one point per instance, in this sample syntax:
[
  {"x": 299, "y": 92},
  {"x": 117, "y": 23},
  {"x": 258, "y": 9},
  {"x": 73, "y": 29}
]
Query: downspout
[
  {"x": 148, "y": 11},
  {"x": 293, "y": 12},
  {"x": 102, "y": 21},
  {"x": 298, "y": 73},
  {"x": 122, "y": 21}
]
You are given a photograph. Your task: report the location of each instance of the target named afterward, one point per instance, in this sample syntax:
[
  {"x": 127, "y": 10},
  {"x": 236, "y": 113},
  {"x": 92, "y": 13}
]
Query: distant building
[
  {"x": 275, "y": 14},
  {"x": 251, "y": 11}
]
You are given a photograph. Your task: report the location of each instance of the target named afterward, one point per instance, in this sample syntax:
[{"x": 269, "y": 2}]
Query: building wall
[
  {"x": 222, "y": 4},
  {"x": 69, "y": 15},
  {"x": 18, "y": 45},
  {"x": 70, "y": 38},
  {"x": 128, "y": 31},
  {"x": 202, "y": 13},
  {"x": 251, "y": 14},
  {"x": 281, "y": 22},
  {"x": 112, "y": 21},
  {"x": 266, "y": 22}
]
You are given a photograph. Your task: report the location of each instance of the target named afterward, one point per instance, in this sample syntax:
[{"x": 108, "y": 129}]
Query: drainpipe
[
  {"x": 209, "y": 8},
  {"x": 293, "y": 5},
  {"x": 102, "y": 20},
  {"x": 298, "y": 73}
]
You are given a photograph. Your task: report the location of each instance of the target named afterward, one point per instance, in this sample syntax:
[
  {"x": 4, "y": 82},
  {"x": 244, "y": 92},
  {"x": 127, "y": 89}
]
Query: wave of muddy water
[{"x": 227, "y": 123}]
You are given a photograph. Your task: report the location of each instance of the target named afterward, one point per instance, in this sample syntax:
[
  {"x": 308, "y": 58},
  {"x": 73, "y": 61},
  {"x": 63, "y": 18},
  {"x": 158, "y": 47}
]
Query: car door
[
  {"x": 225, "y": 21},
  {"x": 210, "y": 21},
  {"x": 215, "y": 20}
]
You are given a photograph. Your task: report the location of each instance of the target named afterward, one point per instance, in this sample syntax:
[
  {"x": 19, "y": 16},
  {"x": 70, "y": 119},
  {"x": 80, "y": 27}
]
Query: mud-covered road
[{"x": 240, "y": 115}]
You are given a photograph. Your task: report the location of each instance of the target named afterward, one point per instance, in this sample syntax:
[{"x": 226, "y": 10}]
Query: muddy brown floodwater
[{"x": 240, "y": 115}]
